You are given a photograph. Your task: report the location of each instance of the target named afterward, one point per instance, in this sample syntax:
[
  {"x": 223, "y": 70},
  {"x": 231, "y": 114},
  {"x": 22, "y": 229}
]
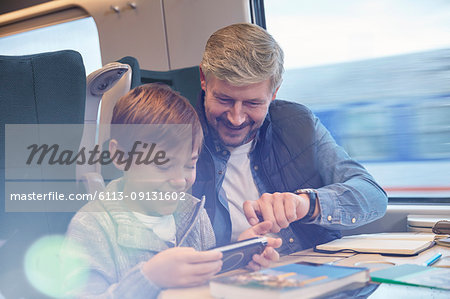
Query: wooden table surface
[{"x": 372, "y": 261}]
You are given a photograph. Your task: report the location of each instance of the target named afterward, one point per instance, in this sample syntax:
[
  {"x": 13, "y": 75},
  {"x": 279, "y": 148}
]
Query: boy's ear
[{"x": 113, "y": 148}]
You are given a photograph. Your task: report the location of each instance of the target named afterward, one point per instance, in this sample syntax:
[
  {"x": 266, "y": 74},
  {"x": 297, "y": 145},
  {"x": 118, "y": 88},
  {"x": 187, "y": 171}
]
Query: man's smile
[{"x": 231, "y": 127}]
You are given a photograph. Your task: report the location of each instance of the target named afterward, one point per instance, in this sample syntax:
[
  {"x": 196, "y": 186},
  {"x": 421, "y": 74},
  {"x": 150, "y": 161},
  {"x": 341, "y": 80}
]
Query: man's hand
[
  {"x": 279, "y": 208},
  {"x": 182, "y": 267},
  {"x": 269, "y": 254}
]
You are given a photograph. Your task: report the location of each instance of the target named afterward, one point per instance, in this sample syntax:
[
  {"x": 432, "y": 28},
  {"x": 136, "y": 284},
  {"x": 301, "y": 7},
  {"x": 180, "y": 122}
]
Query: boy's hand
[
  {"x": 269, "y": 254},
  {"x": 182, "y": 267}
]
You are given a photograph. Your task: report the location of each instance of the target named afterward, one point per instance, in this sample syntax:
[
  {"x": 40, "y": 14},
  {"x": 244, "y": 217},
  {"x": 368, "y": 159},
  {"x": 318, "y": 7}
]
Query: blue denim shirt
[{"x": 294, "y": 150}]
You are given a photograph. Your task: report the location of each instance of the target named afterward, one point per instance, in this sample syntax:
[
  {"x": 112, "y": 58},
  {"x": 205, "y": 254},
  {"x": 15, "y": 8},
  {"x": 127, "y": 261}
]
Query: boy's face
[{"x": 157, "y": 189}]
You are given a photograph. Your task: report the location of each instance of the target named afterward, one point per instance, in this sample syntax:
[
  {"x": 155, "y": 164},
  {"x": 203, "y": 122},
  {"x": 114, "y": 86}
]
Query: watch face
[{"x": 304, "y": 191}]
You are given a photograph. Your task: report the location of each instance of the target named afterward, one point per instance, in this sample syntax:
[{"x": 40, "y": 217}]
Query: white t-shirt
[
  {"x": 239, "y": 186},
  {"x": 164, "y": 227}
]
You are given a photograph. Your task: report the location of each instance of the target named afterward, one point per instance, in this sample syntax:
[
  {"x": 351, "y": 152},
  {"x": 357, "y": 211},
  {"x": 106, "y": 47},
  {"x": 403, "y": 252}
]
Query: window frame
[{"x": 258, "y": 17}]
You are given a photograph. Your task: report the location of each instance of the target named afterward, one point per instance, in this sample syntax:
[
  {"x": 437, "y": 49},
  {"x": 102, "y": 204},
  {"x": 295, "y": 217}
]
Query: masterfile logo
[
  {"x": 47, "y": 166},
  {"x": 53, "y": 155}
]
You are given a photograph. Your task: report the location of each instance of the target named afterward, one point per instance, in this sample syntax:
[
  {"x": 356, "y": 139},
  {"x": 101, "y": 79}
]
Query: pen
[{"x": 433, "y": 260}]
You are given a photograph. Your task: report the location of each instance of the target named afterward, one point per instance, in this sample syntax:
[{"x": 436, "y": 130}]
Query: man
[{"x": 267, "y": 159}]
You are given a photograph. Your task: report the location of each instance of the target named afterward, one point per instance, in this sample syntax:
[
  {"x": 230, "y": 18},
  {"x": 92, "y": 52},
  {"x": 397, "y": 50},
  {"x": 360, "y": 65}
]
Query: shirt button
[
  {"x": 224, "y": 153},
  {"x": 353, "y": 220},
  {"x": 329, "y": 218},
  {"x": 291, "y": 240},
  {"x": 220, "y": 172},
  {"x": 255, "y": 167}
]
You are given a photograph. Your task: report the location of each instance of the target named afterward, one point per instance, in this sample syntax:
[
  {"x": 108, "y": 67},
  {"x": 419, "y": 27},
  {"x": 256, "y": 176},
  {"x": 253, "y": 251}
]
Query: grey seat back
[{"x": 46, "y": 88}]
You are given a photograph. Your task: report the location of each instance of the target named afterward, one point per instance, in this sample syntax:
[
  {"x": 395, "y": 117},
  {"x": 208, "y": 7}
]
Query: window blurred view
[
  {"x": 79, "y": 35},
  {"x": 377, "y": 74}
]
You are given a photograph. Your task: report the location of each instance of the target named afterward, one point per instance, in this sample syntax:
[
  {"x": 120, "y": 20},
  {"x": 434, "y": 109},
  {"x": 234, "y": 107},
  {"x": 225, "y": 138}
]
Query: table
[{"x": 345, "y": 259}]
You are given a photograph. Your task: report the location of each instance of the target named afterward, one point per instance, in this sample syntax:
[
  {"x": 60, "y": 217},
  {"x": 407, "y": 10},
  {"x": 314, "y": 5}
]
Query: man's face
[{"x": 235, "y": 113}]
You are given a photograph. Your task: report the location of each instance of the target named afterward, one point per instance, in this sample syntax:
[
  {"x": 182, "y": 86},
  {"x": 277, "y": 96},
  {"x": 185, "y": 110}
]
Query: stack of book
[{"x": 303, "y": 280}]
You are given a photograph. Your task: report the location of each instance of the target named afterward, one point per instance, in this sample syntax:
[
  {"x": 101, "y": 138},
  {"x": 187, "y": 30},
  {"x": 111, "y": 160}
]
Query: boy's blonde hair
[{"x": 154, "y": 104}]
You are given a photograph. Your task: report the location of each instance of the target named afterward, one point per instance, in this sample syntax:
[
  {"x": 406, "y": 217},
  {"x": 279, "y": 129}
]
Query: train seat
[
  {"x": 184, "y": 80},
  {"x": 104, "y": 87},
  {"x": 45, "y": 88}
]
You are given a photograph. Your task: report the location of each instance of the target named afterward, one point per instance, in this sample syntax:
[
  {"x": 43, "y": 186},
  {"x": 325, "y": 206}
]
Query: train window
[
  {"x": 377, "y": 75},
  {"x": 80, "y": 35}
]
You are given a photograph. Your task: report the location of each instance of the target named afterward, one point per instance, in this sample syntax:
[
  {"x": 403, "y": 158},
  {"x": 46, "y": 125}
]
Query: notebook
[
  {"x": 415, "y": 275},
  {"x": 384, "y": 243},
  {"x": 303, "y": 280}
]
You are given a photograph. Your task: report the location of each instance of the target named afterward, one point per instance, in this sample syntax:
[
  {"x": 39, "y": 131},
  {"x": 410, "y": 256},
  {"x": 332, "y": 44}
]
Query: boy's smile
[{"x": 156, "y": 189}]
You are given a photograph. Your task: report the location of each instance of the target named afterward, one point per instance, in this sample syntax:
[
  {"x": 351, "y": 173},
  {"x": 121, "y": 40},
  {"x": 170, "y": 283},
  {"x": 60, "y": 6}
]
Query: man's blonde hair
[{"x": 243, "y": 54}]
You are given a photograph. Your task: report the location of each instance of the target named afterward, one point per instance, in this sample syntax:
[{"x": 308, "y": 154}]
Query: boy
[{"x": 154, "y": 235}]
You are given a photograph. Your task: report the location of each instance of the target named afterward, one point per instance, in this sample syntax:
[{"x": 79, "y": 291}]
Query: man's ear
[
  {"x": 113, "y": 148},
  {"x": 275, "y": 93},
  {"x": 202, "y": 79}
]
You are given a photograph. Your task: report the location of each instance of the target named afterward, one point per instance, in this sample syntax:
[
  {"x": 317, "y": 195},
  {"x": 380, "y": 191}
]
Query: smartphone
[{"x": 238, "y": 255}]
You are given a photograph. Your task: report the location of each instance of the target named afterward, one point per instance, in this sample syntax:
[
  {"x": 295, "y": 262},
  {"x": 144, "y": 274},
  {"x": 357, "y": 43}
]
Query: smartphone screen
[{"x": 238, "y": 255}]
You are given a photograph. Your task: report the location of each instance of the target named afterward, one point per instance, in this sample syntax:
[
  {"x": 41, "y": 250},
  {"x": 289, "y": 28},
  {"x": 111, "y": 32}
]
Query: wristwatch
[{"x": 312, "y": 194}]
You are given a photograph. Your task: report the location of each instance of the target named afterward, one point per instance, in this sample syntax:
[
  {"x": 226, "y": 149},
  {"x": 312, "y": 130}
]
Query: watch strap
[{"x": 312, "y": 194}]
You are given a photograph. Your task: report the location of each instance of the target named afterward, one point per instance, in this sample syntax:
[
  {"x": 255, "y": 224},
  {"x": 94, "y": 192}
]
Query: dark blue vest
[{"x": 286, "y": 158}]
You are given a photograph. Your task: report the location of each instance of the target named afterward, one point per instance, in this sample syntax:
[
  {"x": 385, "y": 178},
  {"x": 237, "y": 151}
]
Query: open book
[{"x": 383, "y": 243}]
